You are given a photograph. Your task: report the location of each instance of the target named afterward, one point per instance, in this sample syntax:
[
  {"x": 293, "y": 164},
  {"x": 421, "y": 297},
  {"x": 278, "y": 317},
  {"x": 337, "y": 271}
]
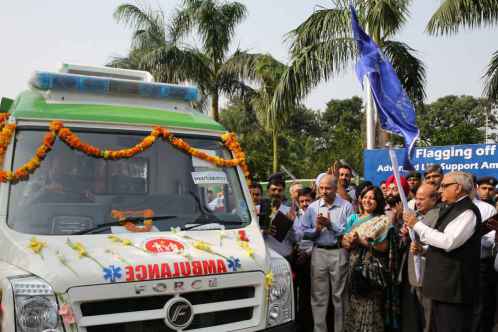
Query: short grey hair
[
  {"x": 463, "y": 179},
  {"x": 333, "y": 179}
]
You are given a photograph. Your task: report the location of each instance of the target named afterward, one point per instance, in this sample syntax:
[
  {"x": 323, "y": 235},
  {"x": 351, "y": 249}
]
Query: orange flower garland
[
  {"x": 129, "y": 225},
  {"x": 67, "y": 136},
  {"x": 3, "y": 119},
  {"x": 233, "y": 145}
]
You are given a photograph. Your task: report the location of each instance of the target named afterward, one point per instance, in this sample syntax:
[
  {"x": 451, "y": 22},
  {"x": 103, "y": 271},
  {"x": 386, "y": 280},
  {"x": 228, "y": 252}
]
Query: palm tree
[
  {"x": 322, "y": 47},
  {"x": 266, "y": 72},
  {"x": 453, "y": 15},
  {"x": 169, "y": 60}
]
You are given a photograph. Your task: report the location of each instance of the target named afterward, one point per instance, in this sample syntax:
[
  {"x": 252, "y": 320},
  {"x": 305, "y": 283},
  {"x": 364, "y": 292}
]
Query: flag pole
[
  {"x": 370, "y": 115},
  {"x": 370, "y": 111},
  {"x": 413, "y": 236}
]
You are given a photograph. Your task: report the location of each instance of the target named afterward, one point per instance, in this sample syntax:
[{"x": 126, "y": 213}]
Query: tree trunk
[
  {"x": 215, "y": 98},
  {"x": 275, "y": 151}
]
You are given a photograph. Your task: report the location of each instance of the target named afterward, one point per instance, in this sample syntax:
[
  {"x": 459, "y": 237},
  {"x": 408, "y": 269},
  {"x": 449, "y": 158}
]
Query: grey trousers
[{"x": 329, "y": 270}]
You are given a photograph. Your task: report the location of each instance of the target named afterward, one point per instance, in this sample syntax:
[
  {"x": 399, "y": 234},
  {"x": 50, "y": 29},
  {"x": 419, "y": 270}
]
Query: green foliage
[
  {"x": 310, "y": 141},
  {"x": 322, "y": 47},
  {"x": 454, "y": 15},
  {"x": 158, "y": 47},
  {"x": 455, "y": 120},
  {"x": 307, "y": 144}
]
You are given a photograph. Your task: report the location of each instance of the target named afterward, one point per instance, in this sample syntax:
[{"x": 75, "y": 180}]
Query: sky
[{"x": 43, "y": 34}]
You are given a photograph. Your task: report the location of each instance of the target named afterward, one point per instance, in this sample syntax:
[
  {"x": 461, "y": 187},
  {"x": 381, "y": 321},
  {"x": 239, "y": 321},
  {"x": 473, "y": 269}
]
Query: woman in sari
[{"x": 371, "y": 240}]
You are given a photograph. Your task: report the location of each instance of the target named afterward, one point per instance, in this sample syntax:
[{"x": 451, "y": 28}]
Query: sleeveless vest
[{"x": 453, "y": 277}]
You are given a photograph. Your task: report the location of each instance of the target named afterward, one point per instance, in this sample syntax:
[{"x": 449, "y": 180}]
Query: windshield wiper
[
  {"x": 209, "y": 225},
  {"x": 102, "y": 227}
]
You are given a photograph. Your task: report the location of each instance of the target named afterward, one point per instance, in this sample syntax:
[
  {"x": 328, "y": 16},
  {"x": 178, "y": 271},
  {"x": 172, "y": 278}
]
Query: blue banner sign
[{"x": 478, "y": 159}]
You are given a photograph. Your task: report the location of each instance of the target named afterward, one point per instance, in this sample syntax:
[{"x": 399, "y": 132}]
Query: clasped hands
[
  {"x": 322, "y": 222},
  {"x": 352, "y": 239}
]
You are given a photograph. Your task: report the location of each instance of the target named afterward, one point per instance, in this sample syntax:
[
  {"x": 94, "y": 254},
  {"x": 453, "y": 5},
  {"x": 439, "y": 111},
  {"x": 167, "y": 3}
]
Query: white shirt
[
  {"x": 487, "y": 210},
  {"x": 487, "y": 241},
  {"x": 458, "y": 231}
]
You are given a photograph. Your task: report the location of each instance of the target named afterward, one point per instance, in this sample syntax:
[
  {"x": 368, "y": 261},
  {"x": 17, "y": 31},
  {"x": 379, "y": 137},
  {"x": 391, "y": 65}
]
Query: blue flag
[{"x": 395, "y": 110}]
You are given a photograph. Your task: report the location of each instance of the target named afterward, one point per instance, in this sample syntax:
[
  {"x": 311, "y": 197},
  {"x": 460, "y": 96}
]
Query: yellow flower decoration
[
  {"x": 247, "y": 248},
  {"x": 114, "y": 238},
  {"x": 78, "y": 247},
  {"x": 268, "y": 280},
  {"x": 82, "y": 252},
  {"x": 37, "y": 246},
  {"x": 223, "y": 235},
  {"x": 125, "y": 242},
  {"x": 201, "y": 245}
]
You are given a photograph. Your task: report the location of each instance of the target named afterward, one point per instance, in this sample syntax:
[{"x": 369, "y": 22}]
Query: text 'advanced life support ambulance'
[{"x": 124, "y": 209}]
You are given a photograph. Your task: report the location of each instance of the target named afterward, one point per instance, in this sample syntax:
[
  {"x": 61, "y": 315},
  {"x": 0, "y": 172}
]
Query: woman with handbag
[{"x": 371, "y": 240}]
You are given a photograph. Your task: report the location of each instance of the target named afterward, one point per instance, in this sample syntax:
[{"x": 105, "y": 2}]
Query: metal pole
[
  {"x": 370, "y": 115},
  {"x": 370, "y": 109}
]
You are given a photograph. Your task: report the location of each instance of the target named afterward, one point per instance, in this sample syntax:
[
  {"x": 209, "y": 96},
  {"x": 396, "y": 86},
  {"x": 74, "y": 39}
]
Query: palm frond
[
  {"x": 132, "y": 61},
  {"x": 183, "y": 19},
  {"x": 324, "y": 24},
  {"x": 491, "y": 79},
  {"x": 214, "y": 21},
  {"x": 384, "y": 18},
  {"x": 410, "y": 69},
  {"x": 242, "y": 65},
  {"x": 123, "y": 62},
  {"x": 216, "y": 26},
  {"x": 309, "y": 67},
  {"x": 453, "y": 15},
  {"x": 133, "y": 16},
  {"x": 172, "y": 64},
  {"x": 149, "y": 25}
]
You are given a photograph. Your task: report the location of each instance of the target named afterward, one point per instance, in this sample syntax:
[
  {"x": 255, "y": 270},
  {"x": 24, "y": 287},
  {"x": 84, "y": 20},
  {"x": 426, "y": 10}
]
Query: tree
[
  {"x": 453, "y": 15},
  {"x": 266, "y": 72},
  {"x": 322, "y": 47},
  {"x": 342, "y": 123},
  {"x": 309, "y": 141},
  {"x": 455, "y": 120},
  {"x": 161, "y": 51}
]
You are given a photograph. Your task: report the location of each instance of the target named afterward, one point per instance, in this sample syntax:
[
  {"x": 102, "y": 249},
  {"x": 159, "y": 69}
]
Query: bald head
[
  {"x": 328, "y": 188},
  {"x": 426, "y": 197}
]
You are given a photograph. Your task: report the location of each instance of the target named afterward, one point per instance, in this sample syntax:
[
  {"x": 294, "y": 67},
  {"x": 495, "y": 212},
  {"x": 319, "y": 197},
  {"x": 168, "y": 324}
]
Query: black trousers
[
  {"x": 450, "y": 317},
  {"x": 302, "y": 289},
  {"x": 484, "y": 311}
]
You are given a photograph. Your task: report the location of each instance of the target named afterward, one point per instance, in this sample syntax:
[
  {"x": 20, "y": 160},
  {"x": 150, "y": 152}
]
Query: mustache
[{"x": 391, "y": 200}]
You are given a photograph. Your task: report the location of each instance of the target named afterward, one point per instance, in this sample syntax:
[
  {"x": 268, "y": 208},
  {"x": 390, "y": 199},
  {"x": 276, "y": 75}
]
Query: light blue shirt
[
  {"x": 298, "y": 225},
  {"x": 338, "y": 214}
]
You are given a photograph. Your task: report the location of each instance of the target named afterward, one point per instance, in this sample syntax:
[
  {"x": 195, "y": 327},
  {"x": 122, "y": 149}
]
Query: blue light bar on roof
[{"x": 110, "y": 86}]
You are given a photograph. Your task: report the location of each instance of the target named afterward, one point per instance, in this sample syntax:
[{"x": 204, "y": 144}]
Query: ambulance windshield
[{"x": 72, "y": 192}]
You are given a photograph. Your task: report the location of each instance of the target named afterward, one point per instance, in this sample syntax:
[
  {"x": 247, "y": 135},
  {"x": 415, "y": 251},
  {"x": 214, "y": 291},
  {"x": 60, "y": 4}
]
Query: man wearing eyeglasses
[{"x": 452, "y": 260}]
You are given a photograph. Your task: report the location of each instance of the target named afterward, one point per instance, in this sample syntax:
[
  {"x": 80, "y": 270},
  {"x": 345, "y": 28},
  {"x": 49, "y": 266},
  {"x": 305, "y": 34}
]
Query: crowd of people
[{"x": 365, "y": 262}]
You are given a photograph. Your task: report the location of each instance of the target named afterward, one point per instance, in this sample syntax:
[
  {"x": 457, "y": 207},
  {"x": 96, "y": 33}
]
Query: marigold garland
[
  {"x": 131, "y": 226},
  {"x": 57, "y": 129}
]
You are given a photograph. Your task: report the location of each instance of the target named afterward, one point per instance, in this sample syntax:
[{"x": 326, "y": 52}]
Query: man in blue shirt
[{"x": 324, "y": 223}]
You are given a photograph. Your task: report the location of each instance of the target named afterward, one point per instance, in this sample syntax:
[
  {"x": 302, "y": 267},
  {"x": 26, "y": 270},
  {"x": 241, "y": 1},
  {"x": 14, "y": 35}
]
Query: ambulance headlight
[
  {"x": 35, "y": 305},
  {"x": 280, "y": 299}
]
